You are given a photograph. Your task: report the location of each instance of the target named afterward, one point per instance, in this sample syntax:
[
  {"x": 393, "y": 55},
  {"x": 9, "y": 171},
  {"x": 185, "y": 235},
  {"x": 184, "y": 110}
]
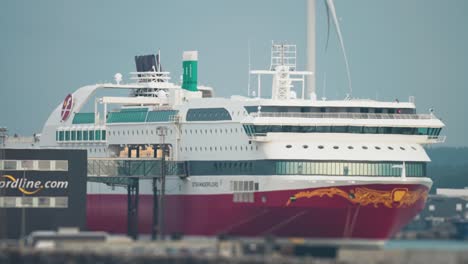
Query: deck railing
[
  {"x": 133, "y": 167},
  {"x": 343, "y": 115}
]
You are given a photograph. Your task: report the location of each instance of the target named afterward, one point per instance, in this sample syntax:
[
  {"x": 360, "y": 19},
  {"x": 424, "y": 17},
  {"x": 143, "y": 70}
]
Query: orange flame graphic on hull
[{"x": 398, "y": 197}]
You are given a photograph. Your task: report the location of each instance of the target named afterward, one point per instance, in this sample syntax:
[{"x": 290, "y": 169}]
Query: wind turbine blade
[
  {"x": 331, "y": 8},
  {"x": 328, "y": 25}
]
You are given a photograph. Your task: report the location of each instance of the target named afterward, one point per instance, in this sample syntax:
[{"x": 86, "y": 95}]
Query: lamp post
[{"x": 3, "y": 215}]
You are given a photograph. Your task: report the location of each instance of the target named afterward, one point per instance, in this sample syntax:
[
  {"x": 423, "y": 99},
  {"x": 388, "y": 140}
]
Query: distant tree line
[{"x": 448, "y": 168}]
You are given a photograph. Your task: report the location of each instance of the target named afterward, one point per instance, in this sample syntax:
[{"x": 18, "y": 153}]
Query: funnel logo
[
  {"x": 29, "y": 187},
  {"x": 67, "y": 107}
]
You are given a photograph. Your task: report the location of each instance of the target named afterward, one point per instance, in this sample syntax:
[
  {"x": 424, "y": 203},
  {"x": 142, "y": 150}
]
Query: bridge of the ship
[{"x": 127, "y": 172}]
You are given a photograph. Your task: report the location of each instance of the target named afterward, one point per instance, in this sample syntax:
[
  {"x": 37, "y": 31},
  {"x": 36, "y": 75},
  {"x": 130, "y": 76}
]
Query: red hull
[{"x": 316, "y": 213}]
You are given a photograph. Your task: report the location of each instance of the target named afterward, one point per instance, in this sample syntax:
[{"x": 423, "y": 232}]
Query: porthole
[
  {"x": 364, "y": 147},
  {"x": 336, "y": 147},
  {"x": 350, "y": 147},
  {"x": 288, "y": 146},
  {"x": 402, "y": 148},
  {"x": 190, "y": 148},
  {"x": 377, "y": 147},
  {"x": 211, "y": 148},
  {"x": 305, "y": 146},
  {"x": 320, "y": 147},
  {"x": 390, "y": 148},
  {"x": 196, "y": 148},
  {"x": 413, "y": 148}
]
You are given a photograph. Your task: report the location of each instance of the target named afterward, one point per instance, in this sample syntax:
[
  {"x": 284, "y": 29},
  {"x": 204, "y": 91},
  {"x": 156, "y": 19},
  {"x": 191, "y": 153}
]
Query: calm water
[{"x": 427, "y": 244}]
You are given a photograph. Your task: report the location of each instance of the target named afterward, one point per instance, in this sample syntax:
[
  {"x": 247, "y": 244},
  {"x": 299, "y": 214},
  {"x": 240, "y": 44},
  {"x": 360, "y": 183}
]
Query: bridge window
[{"x": 208, "y": 114}]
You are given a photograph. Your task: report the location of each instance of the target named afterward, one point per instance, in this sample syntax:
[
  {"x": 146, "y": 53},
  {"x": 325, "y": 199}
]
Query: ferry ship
[{"x": 284, "y": 166}]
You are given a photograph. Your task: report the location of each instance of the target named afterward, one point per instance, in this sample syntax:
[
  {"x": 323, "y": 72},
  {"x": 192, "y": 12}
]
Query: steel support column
[
  {"x": 155, "y": 227},
  {"x": 132, "y": 207}
]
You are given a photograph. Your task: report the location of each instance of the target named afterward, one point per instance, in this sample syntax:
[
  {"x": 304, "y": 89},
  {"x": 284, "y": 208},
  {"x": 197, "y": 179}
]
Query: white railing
[
  {"x": 151, "y": 76},
  {"x": 343, "y": 115}
]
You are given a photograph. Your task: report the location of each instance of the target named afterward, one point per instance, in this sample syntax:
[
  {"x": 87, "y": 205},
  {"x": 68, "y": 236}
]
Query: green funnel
[{"x": 190, "y": 67}]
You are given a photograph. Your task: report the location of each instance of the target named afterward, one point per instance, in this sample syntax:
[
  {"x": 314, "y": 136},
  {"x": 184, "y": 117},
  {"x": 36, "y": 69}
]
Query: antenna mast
[
  {"x": 311, "y": 49},
  {"x": 248, "y": 74}
]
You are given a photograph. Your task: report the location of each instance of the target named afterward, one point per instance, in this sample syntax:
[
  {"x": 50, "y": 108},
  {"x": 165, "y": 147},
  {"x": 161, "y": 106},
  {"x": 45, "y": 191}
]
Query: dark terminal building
[{"x": 41, "y": 189}]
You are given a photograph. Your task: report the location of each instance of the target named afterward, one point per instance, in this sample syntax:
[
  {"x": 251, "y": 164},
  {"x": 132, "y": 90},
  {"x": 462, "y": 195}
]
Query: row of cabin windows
[
  {"x": 208, "y": 114},
  {"x": 136, "y": 132},
  {"x": 211, "y": 131},
  {"x": 80, "y": 135},
  {"x": 352, "y": 147},
  {"x": 262, "y": 130},
  {"x": 413, "y": 169},
  {"x": 307, "y": 167},
  {"x": 220, "y": 148}
]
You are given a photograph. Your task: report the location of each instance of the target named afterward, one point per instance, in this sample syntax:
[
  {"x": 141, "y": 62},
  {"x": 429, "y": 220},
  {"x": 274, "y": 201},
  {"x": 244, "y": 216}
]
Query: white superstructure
[{"x": 349, "y": 137}]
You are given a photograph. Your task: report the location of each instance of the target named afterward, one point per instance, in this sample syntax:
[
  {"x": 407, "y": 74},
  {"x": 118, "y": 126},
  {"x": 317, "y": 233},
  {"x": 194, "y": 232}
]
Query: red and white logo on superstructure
[{"x": 67, "y": 107}]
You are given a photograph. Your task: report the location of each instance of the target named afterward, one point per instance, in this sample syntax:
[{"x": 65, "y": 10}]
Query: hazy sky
[{"x": 396, "y": 49}]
